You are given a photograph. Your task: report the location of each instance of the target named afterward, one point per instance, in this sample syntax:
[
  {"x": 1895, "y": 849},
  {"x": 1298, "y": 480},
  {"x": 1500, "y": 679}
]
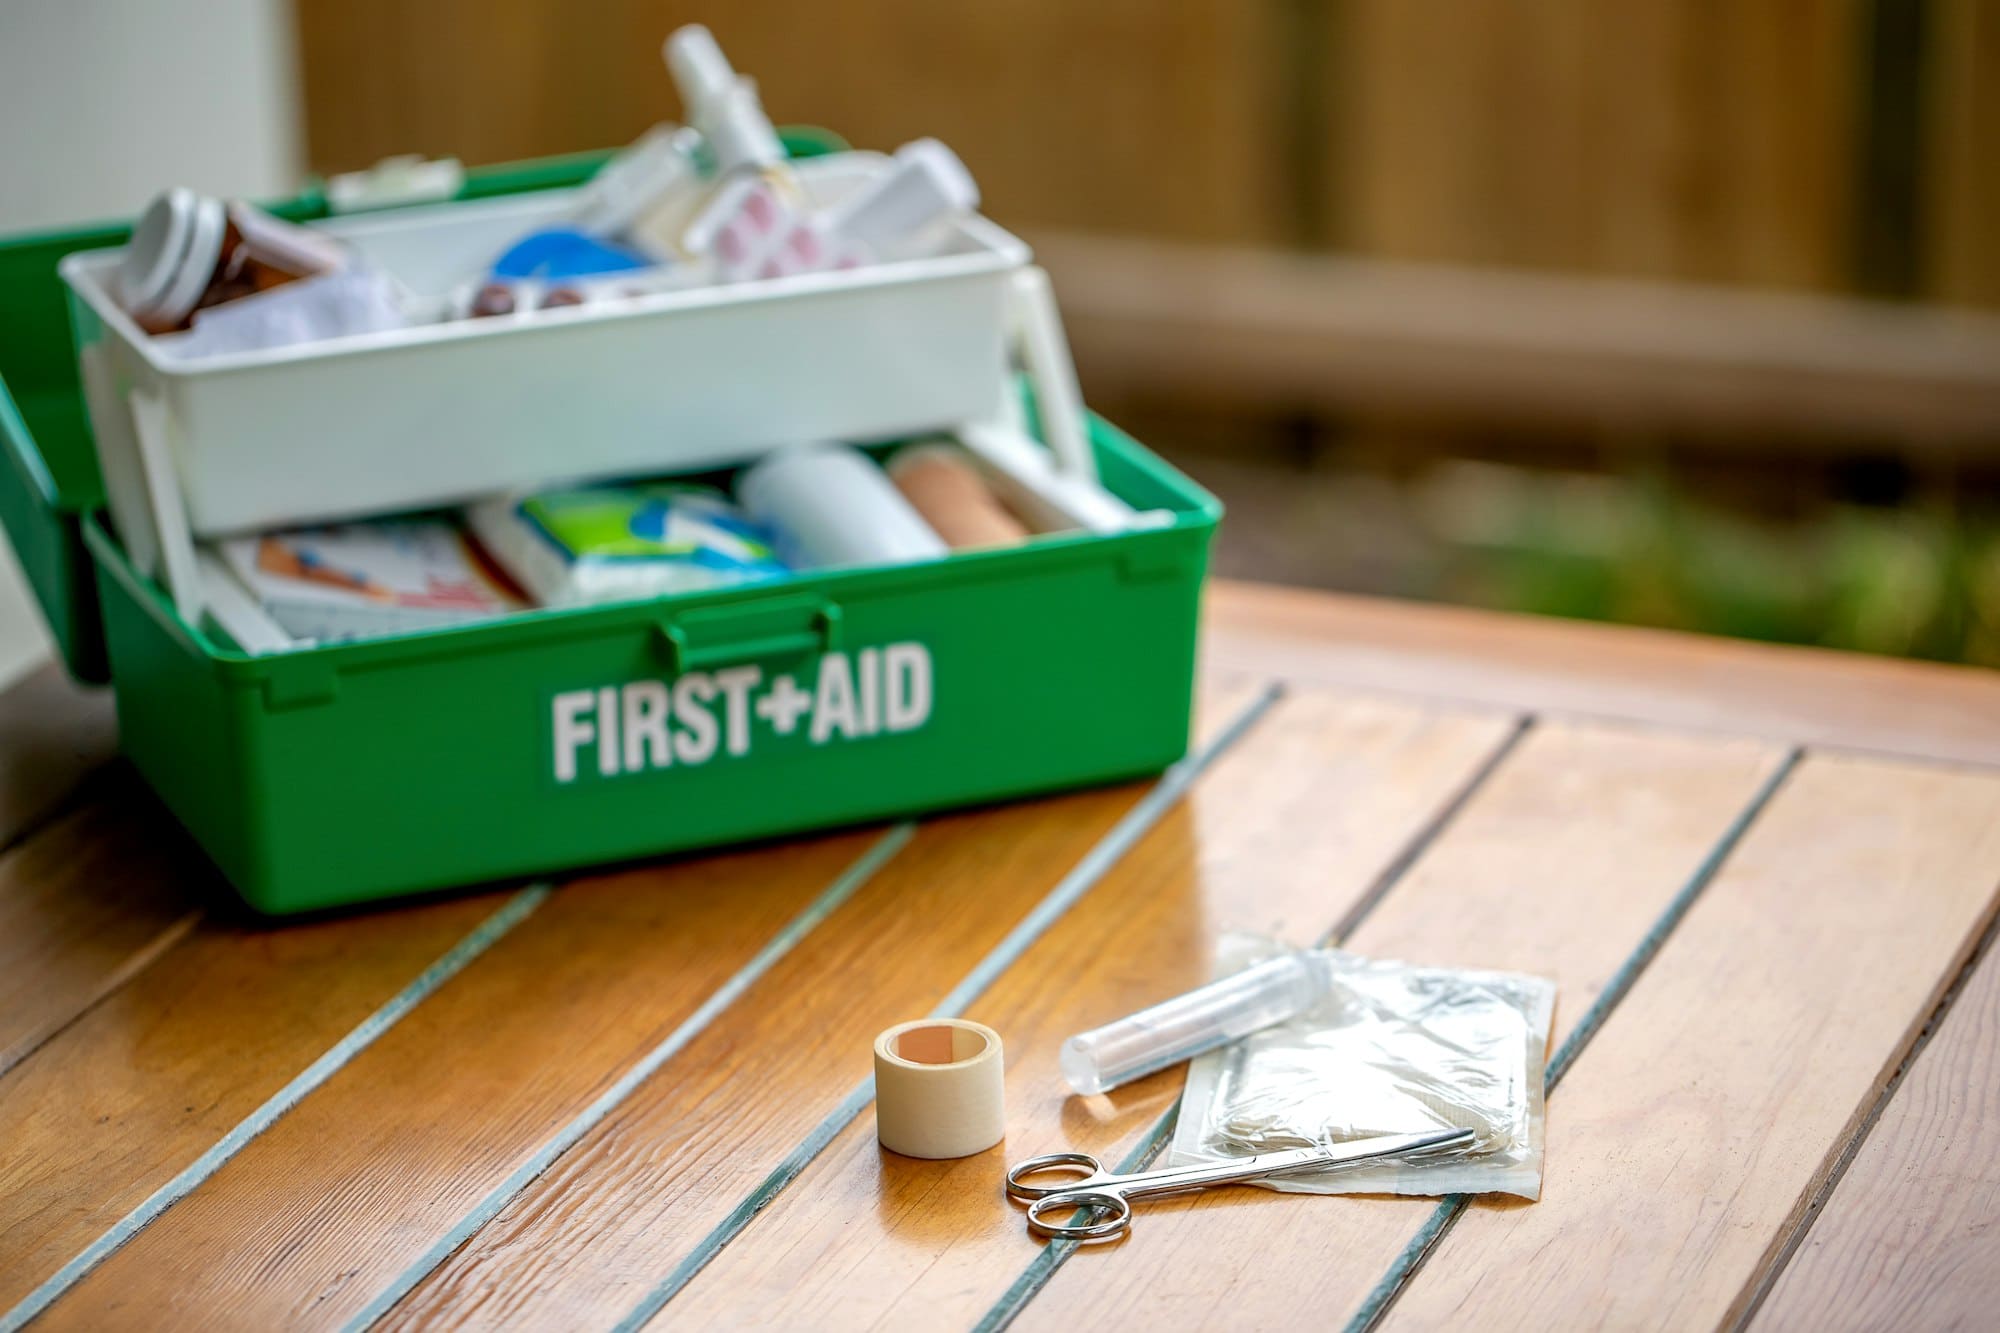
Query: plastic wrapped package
[
  {"x": 589, "y": 544},
  {"x": 1392, "y": 1049}
]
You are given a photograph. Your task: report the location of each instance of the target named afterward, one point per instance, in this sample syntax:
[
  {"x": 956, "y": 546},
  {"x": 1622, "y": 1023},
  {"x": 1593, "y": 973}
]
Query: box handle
[
  {"x": 709, "y": 637},
  {"x": 1046, "y": 357}
]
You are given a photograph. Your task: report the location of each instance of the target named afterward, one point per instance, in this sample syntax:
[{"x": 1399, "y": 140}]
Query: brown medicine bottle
[{"x": 190, "y": 252}]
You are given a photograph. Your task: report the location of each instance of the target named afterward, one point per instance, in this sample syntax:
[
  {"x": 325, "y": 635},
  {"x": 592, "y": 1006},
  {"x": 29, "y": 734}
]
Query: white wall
[{"x": 105, "y": 102}]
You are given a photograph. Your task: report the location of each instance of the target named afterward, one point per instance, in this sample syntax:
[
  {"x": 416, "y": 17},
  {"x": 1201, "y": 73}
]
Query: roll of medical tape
[{"x": 939, "y": 1088}]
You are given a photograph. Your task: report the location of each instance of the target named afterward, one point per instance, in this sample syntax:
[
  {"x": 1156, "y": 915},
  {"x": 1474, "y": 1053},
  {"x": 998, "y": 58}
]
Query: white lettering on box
[
  {"x": 909, "y": 686},
  {"x": 695, "y": 741},
  {"x": 736, "y": 684},
  {"x": 868, "y": 666},
  {"x": 645, "y": 720},
  {"x": 573, "y": 731},
  {"x": 644, "y": 725},
  {"x": 833, "y": 701}
]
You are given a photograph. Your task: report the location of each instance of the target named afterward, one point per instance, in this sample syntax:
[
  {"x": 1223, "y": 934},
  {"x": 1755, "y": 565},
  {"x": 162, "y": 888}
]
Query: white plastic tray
[{"x": 442, "y": 413}]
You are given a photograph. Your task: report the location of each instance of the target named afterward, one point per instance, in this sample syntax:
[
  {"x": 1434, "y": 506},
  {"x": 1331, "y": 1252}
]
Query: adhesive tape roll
[{"x": 939, "y": 1088}]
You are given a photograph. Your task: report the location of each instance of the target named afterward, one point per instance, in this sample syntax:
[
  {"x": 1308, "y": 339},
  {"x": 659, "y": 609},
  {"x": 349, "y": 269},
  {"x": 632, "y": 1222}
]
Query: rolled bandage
[
  {"x": 939, "y": 1088},
  {"x": 941, "y": 483},
  {"x": 829, "y": 507}
]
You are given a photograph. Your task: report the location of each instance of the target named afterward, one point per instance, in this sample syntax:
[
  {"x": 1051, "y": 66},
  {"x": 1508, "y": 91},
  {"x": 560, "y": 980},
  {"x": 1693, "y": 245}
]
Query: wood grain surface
[
  {"x": 1652, "y": 137},
  {"x": 1452, "y": 654},
  {"x": 1688, "y": 1141},
  {"x": 1690, "y": 1147},
  {"x": 1907, "y": 1238},
  {"x": 53, "y": 734},
  {"x": 1187, "y": 96},
  {"x": 123, "y": 1099},
  {"x": 424, "y": 1122},
  {"x": 232, "y": 1013},
  {"x": 1259, "y": 332},
  {"x": 1559, "y": 867},
  {"x": 582, "y": 1245},
  {"x": 1962, "y": 118},
  {"x": 1284, "y": 835},
  {"x": 86, "y": 904}
]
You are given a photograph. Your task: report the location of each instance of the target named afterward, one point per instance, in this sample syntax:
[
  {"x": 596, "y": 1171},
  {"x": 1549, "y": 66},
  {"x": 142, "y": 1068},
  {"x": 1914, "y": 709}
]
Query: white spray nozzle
[
  {"x": 700, "y": 71},
  {"x": 721, "y": 103}
]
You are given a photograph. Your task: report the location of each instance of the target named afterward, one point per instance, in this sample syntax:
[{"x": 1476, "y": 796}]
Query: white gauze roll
[
  {"x": 829, "y": 506},
  {"x": 940, "y": 1088}
]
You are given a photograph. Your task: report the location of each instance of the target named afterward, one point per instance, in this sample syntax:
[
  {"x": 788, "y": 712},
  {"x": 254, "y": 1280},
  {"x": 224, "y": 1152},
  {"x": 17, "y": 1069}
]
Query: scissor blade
[{"x": 1395, "y": 1145}]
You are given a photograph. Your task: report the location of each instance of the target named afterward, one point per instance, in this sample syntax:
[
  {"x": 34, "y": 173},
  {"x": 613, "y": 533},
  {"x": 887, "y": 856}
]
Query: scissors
[{"x": 1105, "y": 1199}]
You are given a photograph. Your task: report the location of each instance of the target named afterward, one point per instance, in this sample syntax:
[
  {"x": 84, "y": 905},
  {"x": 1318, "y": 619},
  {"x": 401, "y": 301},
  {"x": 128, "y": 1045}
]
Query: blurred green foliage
[{"x": 1917, "y": 581}]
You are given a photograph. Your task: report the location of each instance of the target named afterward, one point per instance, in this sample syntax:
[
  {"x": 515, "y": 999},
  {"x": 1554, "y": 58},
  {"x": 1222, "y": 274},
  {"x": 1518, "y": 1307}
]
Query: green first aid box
[{"x": 544, "y": 742}]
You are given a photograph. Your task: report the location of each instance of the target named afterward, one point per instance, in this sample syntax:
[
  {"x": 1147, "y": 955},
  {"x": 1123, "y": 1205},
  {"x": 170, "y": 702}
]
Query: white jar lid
[{"x": 171, "y": 257}]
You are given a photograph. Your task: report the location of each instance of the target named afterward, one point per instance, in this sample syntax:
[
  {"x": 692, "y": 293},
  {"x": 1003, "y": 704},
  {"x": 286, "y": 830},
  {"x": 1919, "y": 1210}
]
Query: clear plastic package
[{"x": 1392, "y": 1048}]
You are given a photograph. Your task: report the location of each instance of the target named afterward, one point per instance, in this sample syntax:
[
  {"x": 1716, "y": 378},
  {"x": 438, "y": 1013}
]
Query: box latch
[{"x": 708, "y": 637}]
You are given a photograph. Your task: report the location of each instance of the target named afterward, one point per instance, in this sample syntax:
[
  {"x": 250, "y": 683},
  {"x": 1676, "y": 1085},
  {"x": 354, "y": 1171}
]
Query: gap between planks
[
  {"x": 1058, "y": 901},
  {"x": 105, "y": 887},
  {"x": 1904, "y": 824},
  {"x": 1056, "y": 1253},
  {"x": 1283, "y": 837},
  {"x": 1435, "y": 1228},
  {"x": 1600, "y": 827},
  {"x": 516, "y": 909},
  {"x": 1816, "y": 1207},
  {"x": 843, "y": 888},
  {"x": 574, "y": 1250},
  {"x": 555, "y": 1145}
]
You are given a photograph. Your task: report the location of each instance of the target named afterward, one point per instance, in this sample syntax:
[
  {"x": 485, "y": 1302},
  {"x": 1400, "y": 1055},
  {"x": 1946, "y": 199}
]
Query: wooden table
[{"x": 1762, "y": 878}]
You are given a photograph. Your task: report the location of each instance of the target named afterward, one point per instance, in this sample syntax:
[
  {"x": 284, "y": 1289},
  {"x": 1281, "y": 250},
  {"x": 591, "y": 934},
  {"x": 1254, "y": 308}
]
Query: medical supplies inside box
[
  {"x": 685, "y": 211},
  {"x": 206, "y": 278},
  {"x": 817, "y": 506},
  {"x": 355, "y": 580},
  {"x": 700, "y": 301}
]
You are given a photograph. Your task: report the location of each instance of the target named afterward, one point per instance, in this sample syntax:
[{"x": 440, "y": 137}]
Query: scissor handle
[
  {"x": 1018, "y": 1188},
  {"x": 1112, "y": 1209}
]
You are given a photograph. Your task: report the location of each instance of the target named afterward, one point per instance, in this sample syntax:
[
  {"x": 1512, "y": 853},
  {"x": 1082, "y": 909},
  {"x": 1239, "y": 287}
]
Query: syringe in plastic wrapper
[{"x": 1187, "y": 1025}]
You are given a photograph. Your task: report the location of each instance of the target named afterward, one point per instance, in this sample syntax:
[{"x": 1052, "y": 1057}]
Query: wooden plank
[
  {"x": 1649, "y": 137},
  {"x": 1268, "y": 330},
  {"x": 1687, "y": 1144},
  {"x": 1285, "y": 834},
  {"x": 134, "y": 1091},
  {"x": 1962, "y": 201},
  {"x": 53, "y": 733},
  {"x": 1559, "y": 867},
  {"x": 311, "y": 1218},
  {"x": 127, "y": 1097},
  {"x": 582, "y": 1245},
  {"x": 1906, "y": 1240},
  {"x": 1182, "y": 137},
  {"x": 1432, "y": 110},
  {"x": 1658, "y": 676},
  {"x": 85, "y": 905}
]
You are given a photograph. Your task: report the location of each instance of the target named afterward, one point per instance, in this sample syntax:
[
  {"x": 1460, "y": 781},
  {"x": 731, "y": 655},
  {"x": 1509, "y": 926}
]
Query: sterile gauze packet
[{"x": 1393, "y": 1048}]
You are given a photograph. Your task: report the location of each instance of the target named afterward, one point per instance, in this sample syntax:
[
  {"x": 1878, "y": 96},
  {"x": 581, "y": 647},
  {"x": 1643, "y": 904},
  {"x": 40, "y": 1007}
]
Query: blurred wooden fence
[{"x": 1840, "y": 147}]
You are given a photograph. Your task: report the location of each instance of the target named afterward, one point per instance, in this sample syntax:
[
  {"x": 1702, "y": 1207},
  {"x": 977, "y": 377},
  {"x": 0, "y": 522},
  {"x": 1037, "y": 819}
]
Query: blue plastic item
[{"x": 564, "y": 252}]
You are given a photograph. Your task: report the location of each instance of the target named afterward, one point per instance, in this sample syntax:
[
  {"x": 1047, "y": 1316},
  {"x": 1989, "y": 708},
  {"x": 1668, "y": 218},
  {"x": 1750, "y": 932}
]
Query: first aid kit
[{"x": 469, "y": 748}]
